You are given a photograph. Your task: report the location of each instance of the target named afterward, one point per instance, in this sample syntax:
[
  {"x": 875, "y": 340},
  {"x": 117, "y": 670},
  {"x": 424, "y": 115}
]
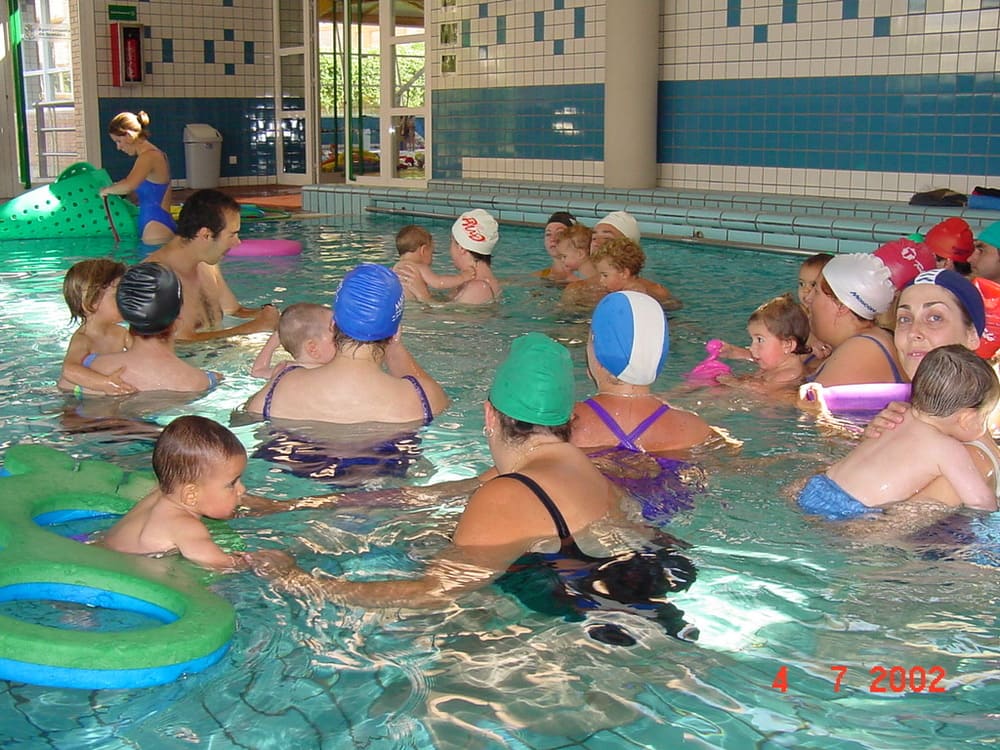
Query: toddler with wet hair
[
  {"x": 199, "y": 466},
  {"x": 305, "y": 330},
  {"x": 89, "y": 290},
  {"x": 779, "y": 330}
]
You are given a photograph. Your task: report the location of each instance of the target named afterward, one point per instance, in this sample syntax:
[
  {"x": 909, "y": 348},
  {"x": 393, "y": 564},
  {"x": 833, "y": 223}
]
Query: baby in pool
[
  {"x": 305, "y": 330},
  {"x": 199, "y": 466},
  {"x": 89, "y": 289},
  {"x": 954, "y": 392},
  {"x": 415, "y": 246},
  {"x": 778, "y": 332}
]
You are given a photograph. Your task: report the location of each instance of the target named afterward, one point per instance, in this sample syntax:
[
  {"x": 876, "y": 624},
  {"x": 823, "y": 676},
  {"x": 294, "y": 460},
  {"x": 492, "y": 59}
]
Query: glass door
[
  {"x": 378, "y": 62},
  {"x": 295, "y": 91}
]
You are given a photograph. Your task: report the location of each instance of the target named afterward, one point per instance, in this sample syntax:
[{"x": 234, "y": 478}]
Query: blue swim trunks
[{"x": 823, "y": 497}]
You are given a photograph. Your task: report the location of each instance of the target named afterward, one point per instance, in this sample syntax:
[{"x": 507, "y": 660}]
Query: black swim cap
[{"x": 149, "y": 298}]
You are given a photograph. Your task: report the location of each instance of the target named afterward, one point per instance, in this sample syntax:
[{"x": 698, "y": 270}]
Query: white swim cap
[
  {"x": 631, "y": 337},
  {"x": 624, "y": 223},
  {"x": 861, "y": 282},
  {"x": 476, "y": 231}
]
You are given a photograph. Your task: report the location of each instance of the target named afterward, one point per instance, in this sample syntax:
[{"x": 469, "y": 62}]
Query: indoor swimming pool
[{"x": 809, "y": 638}]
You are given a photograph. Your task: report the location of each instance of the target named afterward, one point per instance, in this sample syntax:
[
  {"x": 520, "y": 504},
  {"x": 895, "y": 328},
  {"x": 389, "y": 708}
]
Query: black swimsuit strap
[{"x": 543, "y": 497}]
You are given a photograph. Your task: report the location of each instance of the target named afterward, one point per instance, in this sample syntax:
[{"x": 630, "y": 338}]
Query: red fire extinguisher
[{"x": 126, "y": 53}]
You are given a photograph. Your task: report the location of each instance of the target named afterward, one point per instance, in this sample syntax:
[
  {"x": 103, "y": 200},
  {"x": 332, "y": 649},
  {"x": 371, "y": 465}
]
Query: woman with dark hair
[{"x": 546, "y": 497}]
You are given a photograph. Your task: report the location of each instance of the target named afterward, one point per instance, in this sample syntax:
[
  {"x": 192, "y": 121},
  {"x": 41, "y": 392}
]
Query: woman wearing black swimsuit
[{"x": 546, "y": 497}]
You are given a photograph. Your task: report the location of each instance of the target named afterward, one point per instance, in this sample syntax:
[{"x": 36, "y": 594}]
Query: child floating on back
[
  {"x": 89, "y": 290},
  {"x": 305, "y": 330},
  {"x": 778, "y": 332},
  {"x": 415, "y": 246},
  {"x": 954, "y": 392},
  {"x": 199, "y": 466}
]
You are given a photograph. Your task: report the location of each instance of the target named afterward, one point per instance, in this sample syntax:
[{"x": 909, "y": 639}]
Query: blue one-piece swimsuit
[{"x": 150, "y": 195}]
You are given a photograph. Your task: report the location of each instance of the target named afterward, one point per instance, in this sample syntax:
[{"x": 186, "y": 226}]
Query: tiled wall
[
  {"x": 206, "y": 61},
  {"x": 853, "y": 98},
  {"x": 517, "y": 89}
]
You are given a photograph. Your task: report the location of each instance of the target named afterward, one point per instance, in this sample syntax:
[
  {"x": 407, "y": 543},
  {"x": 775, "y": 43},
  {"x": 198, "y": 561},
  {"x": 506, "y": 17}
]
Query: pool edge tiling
[{"x": 777, "y": 223}]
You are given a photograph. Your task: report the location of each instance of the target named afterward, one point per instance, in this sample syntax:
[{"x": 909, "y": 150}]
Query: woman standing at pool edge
[{"x": 149, "y": 178}]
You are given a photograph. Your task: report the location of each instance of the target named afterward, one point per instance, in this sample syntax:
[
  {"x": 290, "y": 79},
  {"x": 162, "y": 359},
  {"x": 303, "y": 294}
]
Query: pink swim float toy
[
  {"x": 859, "y": 397},
  {"x": 709, "y": 369},
  {"x": 254, "y": 248}
]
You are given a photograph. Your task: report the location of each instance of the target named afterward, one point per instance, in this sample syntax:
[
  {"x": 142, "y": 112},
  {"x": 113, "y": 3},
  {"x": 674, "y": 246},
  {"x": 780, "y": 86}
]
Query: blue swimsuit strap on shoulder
[
  {"x": 896, "y": 375},
  {"x": 627, "y": 440},
  {"x": 266, "y": 411},
  {"x": 422, "y": 395}
]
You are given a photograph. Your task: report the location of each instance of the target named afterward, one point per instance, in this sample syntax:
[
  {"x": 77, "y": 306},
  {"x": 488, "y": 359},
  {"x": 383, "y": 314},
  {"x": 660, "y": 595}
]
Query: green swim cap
[
  {"x": 535, "y": 383},
  {"x": 991, "y": 235}
]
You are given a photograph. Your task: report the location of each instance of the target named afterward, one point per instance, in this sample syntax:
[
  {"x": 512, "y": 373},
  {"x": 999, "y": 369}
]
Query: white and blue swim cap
[
  {"x": 631, "y": 338},
  {"x": 369, "y": 303}
]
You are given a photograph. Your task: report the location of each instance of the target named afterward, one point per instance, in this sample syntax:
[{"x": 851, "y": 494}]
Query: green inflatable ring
[{"x": 38, "y": 564}]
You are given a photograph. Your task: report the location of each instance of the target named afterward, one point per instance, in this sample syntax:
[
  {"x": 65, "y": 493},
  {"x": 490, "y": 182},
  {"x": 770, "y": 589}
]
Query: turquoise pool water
[{"x": 775, "y": 590}]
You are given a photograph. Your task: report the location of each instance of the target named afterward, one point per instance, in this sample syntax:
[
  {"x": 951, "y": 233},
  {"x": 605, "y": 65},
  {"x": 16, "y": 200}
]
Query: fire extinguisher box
[{"x": 126, "y": 53}]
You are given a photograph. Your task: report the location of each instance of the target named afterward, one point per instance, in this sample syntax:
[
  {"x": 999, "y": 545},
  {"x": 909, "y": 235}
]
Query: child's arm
[
  {"x": 731, "y": 351},
  {"x": 195, "y": 544},
  {"x": 75, "y": 374},
  {"x": 436, "y": 281},
  {"x": 958, "y": 468},
  {"x": 262, "y": 367}
]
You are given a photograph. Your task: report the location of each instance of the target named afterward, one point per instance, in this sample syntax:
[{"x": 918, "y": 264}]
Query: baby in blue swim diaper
[{"x": 925, "y": 457}]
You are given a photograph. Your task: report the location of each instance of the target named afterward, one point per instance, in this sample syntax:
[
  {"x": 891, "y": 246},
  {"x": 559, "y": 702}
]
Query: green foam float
[
  {"x": 192, "y": 627},
  {"x": 69, "y": 207}
]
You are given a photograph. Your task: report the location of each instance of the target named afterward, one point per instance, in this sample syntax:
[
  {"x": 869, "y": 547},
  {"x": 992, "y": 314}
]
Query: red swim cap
[
  {"x": 905, "y": 259},
  {"x": 989, "y": 342},
  {"x": 952, "y": 238}
]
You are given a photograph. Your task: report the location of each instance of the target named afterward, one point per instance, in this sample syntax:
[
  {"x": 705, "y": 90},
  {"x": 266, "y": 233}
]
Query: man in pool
[{"x": 207, "y": 228}]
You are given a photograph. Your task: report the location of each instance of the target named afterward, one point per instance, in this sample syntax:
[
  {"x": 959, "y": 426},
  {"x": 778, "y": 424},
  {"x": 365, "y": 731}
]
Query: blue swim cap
[
  {"x": 964, "y": 291},
  {"x": 631, "y": 336},
  {"x": 369, "y": 303}
]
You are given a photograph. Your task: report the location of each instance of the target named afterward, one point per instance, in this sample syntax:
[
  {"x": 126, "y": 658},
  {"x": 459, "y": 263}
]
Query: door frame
[{"x": 309, "y": 115}]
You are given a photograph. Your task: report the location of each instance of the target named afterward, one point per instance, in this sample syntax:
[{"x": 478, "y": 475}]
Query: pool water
[{"x": 780, "y": 599}]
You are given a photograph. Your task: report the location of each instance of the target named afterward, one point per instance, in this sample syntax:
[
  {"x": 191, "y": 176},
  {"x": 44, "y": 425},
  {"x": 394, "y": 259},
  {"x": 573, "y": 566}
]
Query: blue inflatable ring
[{"x": 192, "y": 627}]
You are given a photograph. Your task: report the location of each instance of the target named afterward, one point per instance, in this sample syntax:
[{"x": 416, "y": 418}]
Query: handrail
[{"x": 42, "y": 131}]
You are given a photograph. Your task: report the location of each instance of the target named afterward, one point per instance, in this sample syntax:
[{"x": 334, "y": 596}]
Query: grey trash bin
[{"x": 202, "y": 155}]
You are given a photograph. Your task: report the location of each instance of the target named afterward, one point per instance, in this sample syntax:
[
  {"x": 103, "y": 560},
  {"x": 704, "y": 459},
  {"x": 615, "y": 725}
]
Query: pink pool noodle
[{"x": 710, "y": 368}]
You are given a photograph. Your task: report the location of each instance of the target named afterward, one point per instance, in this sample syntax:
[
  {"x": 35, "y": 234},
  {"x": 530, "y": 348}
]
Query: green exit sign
[{"x": 122, "y": 13}]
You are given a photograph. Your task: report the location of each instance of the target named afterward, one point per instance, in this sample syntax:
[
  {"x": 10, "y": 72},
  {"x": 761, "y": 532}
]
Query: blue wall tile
[
  {"x": 789, "y": 11},
  {"x": 530, "y": 122},
  {"x": 579, "y": 23},
  {"x": 167, "y": 50},
  {"x": 850, "y": 9},
  {"x": 733, "y": 8},
  {"x": 501, "y": 29},
  {"x": 882, "y": 26},
  {"x": 539, "y": 26},
  {"x": 939, "y": 124},
  {"x": 209, "y": 51}
]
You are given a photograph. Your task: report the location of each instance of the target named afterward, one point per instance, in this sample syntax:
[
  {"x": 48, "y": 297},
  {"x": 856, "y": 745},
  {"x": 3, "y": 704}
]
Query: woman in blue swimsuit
[{"x": 149, "y": 178}]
